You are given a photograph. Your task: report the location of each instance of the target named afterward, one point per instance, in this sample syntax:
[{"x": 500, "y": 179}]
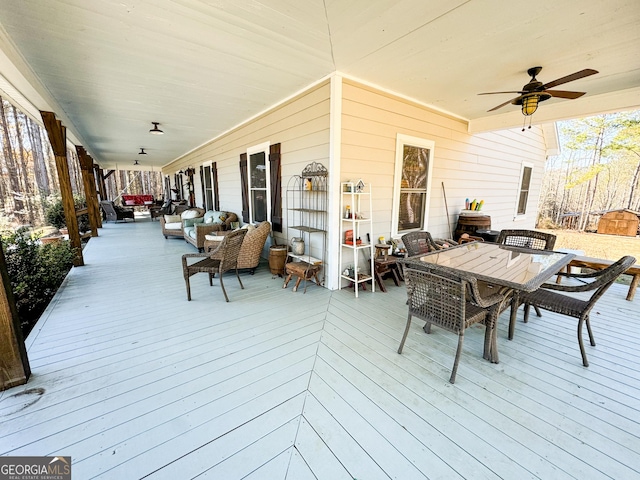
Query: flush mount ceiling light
[
  {"x": 155, "y": 130},
  {"x": 142, "y": 152}
]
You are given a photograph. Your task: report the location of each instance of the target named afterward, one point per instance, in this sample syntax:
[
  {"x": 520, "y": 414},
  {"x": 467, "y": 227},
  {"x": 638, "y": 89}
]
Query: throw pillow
[
  {"x": 190, "y": 214},
  {"x": 172, "y": 218}
]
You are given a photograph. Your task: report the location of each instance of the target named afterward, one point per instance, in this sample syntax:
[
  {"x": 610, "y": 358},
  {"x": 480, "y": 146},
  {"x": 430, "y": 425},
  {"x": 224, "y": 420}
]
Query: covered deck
[{"x": 132, "y": 381}]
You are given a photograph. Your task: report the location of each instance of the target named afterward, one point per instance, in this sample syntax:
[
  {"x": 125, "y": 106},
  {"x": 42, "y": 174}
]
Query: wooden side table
[{"x": 383, "y": 265}]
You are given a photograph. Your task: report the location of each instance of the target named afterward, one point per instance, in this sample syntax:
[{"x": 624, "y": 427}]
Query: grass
[
  {"x": 609, "y": 247},
  {"x": 597, "y": 245}
]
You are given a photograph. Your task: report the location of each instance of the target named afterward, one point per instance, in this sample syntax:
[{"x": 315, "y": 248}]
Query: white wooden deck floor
[{"x": 133, "y": 381}]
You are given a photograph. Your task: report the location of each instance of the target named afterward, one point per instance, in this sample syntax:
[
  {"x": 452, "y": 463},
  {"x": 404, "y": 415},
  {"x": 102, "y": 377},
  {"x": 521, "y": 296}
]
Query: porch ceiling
[{"x": 110, "y": 68}]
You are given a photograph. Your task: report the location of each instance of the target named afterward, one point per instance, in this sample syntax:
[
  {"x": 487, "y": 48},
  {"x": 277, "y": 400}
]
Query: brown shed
[{"x": 619, "y": 222}]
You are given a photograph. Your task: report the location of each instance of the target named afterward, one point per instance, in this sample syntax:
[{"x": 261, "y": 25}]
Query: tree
[{"x": 598, "y": 170}]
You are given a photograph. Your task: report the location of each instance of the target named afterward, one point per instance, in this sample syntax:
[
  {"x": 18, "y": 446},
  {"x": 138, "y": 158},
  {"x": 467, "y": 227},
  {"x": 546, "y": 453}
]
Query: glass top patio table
[{"x": 511, "y": 267}]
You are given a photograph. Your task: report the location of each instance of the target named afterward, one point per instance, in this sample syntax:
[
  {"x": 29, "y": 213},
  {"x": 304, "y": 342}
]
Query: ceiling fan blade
[
  {"x": 493, "y": 93},
  {"x": 564, "y": 94},
  {"x": 570, "y": 78},
  {"x": 505, "y": 103}
]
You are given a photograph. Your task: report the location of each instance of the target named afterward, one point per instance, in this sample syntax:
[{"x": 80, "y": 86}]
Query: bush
[
  {"x": 36, "y": 272},
  {"x": 54, "y": 213}
]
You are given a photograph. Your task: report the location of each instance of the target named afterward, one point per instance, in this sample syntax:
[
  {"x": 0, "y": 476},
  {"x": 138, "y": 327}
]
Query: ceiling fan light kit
[
  {"x": 155, "y": 130},
  {"x": 535, "y": 91}
]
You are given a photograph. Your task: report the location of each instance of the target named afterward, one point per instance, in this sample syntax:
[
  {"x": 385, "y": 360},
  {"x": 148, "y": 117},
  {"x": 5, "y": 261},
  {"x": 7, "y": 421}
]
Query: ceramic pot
[{"x": 297, "y": 246}]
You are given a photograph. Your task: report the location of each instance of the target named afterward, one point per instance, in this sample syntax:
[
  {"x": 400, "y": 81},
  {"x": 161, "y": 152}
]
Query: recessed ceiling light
[{"x": 155, "y": 130}]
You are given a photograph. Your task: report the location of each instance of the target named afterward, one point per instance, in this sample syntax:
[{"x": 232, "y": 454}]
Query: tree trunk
[{"x": 10, "y": 164}]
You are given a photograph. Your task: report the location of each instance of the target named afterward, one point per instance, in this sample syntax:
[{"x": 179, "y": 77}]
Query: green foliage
[
  {"x": 54, "y": 213},
  {"x": 36, "y": 272}
]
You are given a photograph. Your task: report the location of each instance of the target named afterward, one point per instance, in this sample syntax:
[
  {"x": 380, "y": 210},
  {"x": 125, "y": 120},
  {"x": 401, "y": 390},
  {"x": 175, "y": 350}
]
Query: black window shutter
[
  {"x": 244, "y": 184},
  {"x": 276, "y": 187},
  {"x": 214, "y": 178},
  {"x": 204, "y": 197}
]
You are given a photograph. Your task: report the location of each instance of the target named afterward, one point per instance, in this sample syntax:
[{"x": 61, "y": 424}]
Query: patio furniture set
[{"x": 444, "y": 285}]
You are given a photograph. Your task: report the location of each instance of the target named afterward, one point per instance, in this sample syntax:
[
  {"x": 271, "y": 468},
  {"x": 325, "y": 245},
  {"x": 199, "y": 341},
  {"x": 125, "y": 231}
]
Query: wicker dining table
[{"x": 502, "y": 267}]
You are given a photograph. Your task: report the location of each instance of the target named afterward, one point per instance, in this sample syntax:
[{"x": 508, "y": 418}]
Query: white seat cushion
[
  {"x": 214, "y": 238},
  {"x": 173, "y": 226}
]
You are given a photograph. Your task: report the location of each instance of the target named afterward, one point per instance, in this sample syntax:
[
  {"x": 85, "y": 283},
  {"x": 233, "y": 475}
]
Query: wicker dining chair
[
  {"x": 451, "y": 302},
  {"x": 417, "y": 243},
  {"x": 220, "y": 260},
  {"x": 574, "y": 307},
  {"x": 527, "y": 239},
  {"x": 534, "y": 240}
]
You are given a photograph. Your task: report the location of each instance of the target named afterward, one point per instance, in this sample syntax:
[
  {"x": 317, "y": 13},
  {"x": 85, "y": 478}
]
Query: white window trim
[
  {"x": 262, "y": 147},
  {"x": 516, "y": 215},
  {"x": 204, "y": 165},
  {"x": 401, "y": 141}
]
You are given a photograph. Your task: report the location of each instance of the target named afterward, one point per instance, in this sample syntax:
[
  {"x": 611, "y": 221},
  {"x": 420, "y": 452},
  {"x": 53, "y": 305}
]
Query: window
[
  {"x": 412, "y": 185},
  {"x": 525, "y": 184},
  {"x": 259, "y": 199},
  {"x": 260, "y": 176},
  {"x": 209, "y": 174}
]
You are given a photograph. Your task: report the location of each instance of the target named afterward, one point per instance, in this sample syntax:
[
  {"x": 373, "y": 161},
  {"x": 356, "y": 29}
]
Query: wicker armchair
[
  {"x": 252, "y": 246},
  {"x": 575, "y": 307},
  {"x": 221, "y": 260},
  {"x": 533, "y": 240},
  {"x": 453, "y": 303}
]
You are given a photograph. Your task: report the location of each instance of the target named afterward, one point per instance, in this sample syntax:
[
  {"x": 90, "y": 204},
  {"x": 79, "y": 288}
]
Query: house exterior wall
[
  {"x": 483, "y": 166},
  {"x": 300, "y": 125}
]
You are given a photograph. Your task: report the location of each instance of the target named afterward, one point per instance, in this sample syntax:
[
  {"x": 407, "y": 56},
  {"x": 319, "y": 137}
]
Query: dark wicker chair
[
  {"x": 574, "y": 307},
  {"x": 221, "y": 260},
  {"x": 527, "y": 239},
  {"x": 453, "y": 303},
  {"x": 419, "y": 243},
  {"x": 531, "y": 239},
  {"x": 114, "y": 213}
]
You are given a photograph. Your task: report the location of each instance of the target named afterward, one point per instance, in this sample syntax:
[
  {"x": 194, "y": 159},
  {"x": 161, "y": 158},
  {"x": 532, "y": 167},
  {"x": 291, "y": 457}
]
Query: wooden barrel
[
  {"x": 470, "y": 223},
  {"x": 277, "y": 259}
]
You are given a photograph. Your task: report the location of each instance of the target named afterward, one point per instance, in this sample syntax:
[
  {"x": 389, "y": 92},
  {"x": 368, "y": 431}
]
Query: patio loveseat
[
  {"x": 172, "y": 225},
  {"x": 211, "y": 222}
]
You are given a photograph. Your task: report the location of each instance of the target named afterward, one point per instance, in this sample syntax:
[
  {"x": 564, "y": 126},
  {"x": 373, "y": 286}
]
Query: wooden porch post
[
  {"x": 58, "y": 139},
  {"x": 86, "y": 166},
  {"x": 102, "y": 188},
  {"x": 14, "y": 364}
]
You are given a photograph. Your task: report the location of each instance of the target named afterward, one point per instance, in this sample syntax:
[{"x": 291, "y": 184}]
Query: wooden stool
[{"x": 301, "y": 270}]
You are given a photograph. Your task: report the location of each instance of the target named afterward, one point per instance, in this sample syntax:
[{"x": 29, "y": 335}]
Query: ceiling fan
[{"x": 535, "y": 91}]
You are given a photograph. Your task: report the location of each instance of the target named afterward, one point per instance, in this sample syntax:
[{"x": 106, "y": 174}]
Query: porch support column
[
  {"x": 58, "y": 139},
  {"x": 89, "y": 181},
  {"x": 102, "y": 188},
  {"x": 15, "y": 369}
]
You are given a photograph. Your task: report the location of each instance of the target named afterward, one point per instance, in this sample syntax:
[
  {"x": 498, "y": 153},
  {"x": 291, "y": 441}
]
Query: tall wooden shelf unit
[
  {"x": 307, "y": 210},
  {"x": 357, "y": 196}
]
